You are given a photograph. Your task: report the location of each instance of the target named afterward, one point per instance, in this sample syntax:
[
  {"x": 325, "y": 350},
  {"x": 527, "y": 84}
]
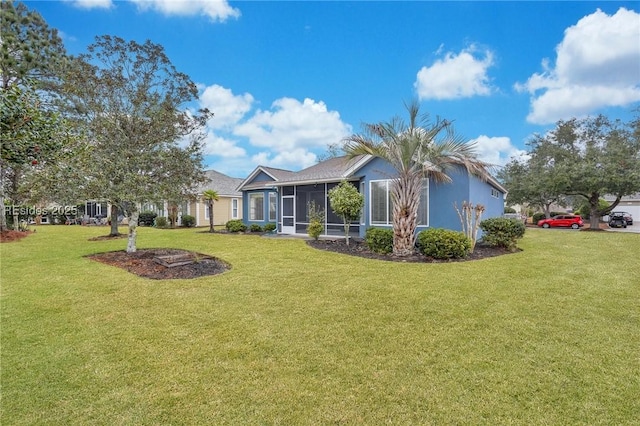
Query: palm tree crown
[{"x": 417, "y": 150}]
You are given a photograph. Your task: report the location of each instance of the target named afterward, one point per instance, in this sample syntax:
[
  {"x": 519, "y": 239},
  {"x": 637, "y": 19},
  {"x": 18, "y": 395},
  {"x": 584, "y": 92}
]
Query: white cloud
[
  {"x": 92, "y": 4},
  {"x": 228, "y": 108},
  {"x": 297, "y": 159},
  {"x": 221, "y": 147},
  {"x": 456, "y": 76},
  {"x": 217, "y": 10},
  {"x": 596, "y": 66},
  {"x": 496, "y": 150},
  {"x": 290, "y": 125}
]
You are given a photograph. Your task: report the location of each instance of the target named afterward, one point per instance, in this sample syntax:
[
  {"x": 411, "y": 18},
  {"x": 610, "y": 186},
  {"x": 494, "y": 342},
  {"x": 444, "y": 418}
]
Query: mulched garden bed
[
  {"x": 9, "y": 235},
  {"x": 144, "y": 264},
  {"x": 359, "y": 248}
]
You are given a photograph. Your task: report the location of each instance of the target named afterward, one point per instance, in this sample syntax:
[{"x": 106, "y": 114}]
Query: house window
[
  {"x": 381, "y": 203},
  {"x": 207, "y": 211},
  {"x": 495, "y": 193},
  {"x": 256, "y": 206},
  {"x": 234, "y": 208},
  {"x": 362, "y": 211},
  {"x": 272, "y": 206}
]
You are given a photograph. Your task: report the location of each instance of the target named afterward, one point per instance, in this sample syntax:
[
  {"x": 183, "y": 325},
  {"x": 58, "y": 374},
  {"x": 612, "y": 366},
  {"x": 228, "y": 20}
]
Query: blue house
[{"x": 283, "y": 197}]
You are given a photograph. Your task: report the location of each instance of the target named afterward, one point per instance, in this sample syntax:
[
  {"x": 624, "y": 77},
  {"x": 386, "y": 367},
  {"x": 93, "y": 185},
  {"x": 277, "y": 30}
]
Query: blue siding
[
  {"x": 246, "y": 207},
  {"x": 376, "y": 169},
  {"x": 262, "y": 177},
  {"x": 442, "y": 197}
]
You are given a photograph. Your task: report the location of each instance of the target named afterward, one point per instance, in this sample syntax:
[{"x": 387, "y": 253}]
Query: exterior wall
[
  {"x": 485, "y": 194},
  {"x": 222, "y": 212},
  {"x": 262, "y": 177},
  {"x": 442, "y": 197},
  {"x": 375, "y": 169},
  {"x": 246, "y": 207}
]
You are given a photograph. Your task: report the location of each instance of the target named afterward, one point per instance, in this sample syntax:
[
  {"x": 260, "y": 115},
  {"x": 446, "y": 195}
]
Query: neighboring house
[
  {"x": 227, "y": 208},
  {"x": 629, "y": 204},
  {"x": 283, "y": 197}
]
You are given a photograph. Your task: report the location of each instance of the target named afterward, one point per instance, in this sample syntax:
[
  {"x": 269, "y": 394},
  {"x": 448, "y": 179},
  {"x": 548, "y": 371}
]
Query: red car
[{"x": 566, "y": 220}]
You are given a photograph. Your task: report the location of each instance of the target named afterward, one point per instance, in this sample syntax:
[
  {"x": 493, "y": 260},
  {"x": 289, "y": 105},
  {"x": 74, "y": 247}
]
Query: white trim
[
  {"x": 387, "y": 222},
  {"x": 256, "y": 195},
  {"x": 360, "y": 163},
  {"x": 237, "y": 208},
  {"x": 253, "y": 174}
]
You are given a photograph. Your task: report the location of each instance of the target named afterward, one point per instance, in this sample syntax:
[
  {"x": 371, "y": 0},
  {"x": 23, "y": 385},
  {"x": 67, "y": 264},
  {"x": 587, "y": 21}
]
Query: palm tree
[
  {"x": 417, "y": 150},
  {"x": 210, "y": 196}
]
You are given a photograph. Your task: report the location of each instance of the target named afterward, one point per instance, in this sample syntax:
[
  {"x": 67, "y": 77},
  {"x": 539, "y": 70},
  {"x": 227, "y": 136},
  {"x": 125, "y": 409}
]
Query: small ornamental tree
[
  {"x": 210, "y": 196},
  {"x": 347, "y": 203},
  {"x": 470, "y": 219}
]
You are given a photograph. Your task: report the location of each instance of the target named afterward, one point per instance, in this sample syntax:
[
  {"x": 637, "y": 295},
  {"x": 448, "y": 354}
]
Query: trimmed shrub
[
  {"x": 235, "y": 225},
  {"x": 379, "y": 240},
  {"x": 162, "y": 222},
  {"x": 269, "y": 227},
  {"x": 188, "y": 221},
  {"x": 501, "y": 232},
  {"x": 315, "y": 229},
  {"x": 441, "y": 243},
  {"x": 146, "y": 218},
  {"x": 255, "y": 228}
]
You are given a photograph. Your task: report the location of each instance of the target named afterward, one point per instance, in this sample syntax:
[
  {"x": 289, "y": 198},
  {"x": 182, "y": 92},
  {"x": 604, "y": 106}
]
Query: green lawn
[{"x": 290, "y": 335}]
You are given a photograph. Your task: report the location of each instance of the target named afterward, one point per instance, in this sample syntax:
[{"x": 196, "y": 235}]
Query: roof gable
[{"x": 262, "y": 176}]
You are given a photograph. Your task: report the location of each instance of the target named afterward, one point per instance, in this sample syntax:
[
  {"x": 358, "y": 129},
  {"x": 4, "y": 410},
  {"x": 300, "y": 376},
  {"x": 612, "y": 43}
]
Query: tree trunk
[
  {"x": 133, "y": 224},
  {"x": 114, "y": 221},
  {"x": 3, "y": 218},
  {"x": 16, "y": 220},
  {"x": 406, "y": 199},
  {"x": 347, "y": 225},
  {"x": 594, "y": 211},
  {"x": 210, "y": 215}
]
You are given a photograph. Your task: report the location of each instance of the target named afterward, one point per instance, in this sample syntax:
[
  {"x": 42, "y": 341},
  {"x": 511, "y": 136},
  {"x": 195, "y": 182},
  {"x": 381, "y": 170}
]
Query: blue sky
[{"x": 286, "y": 79}]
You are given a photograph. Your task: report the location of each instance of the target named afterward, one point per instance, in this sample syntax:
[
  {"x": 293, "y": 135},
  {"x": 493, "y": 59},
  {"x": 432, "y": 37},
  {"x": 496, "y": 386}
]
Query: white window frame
[
  {"x": 252, "y": 212},
  {"x": 387, "y": 222},
  {"x": 363, "y": 212},
  {"x": 389, "y": 214},
  {"x": 273, "y": 197},
  {"x": 234, "y": 208}
]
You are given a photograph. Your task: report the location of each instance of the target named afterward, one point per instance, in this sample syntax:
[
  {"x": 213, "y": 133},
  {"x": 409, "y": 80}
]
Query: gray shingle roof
[
  {"x": 332, "y": 169},
  {"x": 224, "y": 185}
]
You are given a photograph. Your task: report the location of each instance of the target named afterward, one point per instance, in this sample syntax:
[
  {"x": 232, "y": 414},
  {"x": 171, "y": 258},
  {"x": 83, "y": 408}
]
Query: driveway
[{"x": 635, "y": 228}]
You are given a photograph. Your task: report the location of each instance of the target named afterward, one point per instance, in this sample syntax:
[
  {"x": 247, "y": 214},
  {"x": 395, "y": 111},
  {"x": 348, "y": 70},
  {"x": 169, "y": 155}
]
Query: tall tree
[
  {"x": 30, "y": 138},
  {"x": 590, "y": 157},
  {"x": 417, "y": 150},
  {"x": 210, "y": 196},
  {"x": 531, "y": 182},
  {"x": 145, "y": 145},
  {"x": 32, "y": 58}
]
